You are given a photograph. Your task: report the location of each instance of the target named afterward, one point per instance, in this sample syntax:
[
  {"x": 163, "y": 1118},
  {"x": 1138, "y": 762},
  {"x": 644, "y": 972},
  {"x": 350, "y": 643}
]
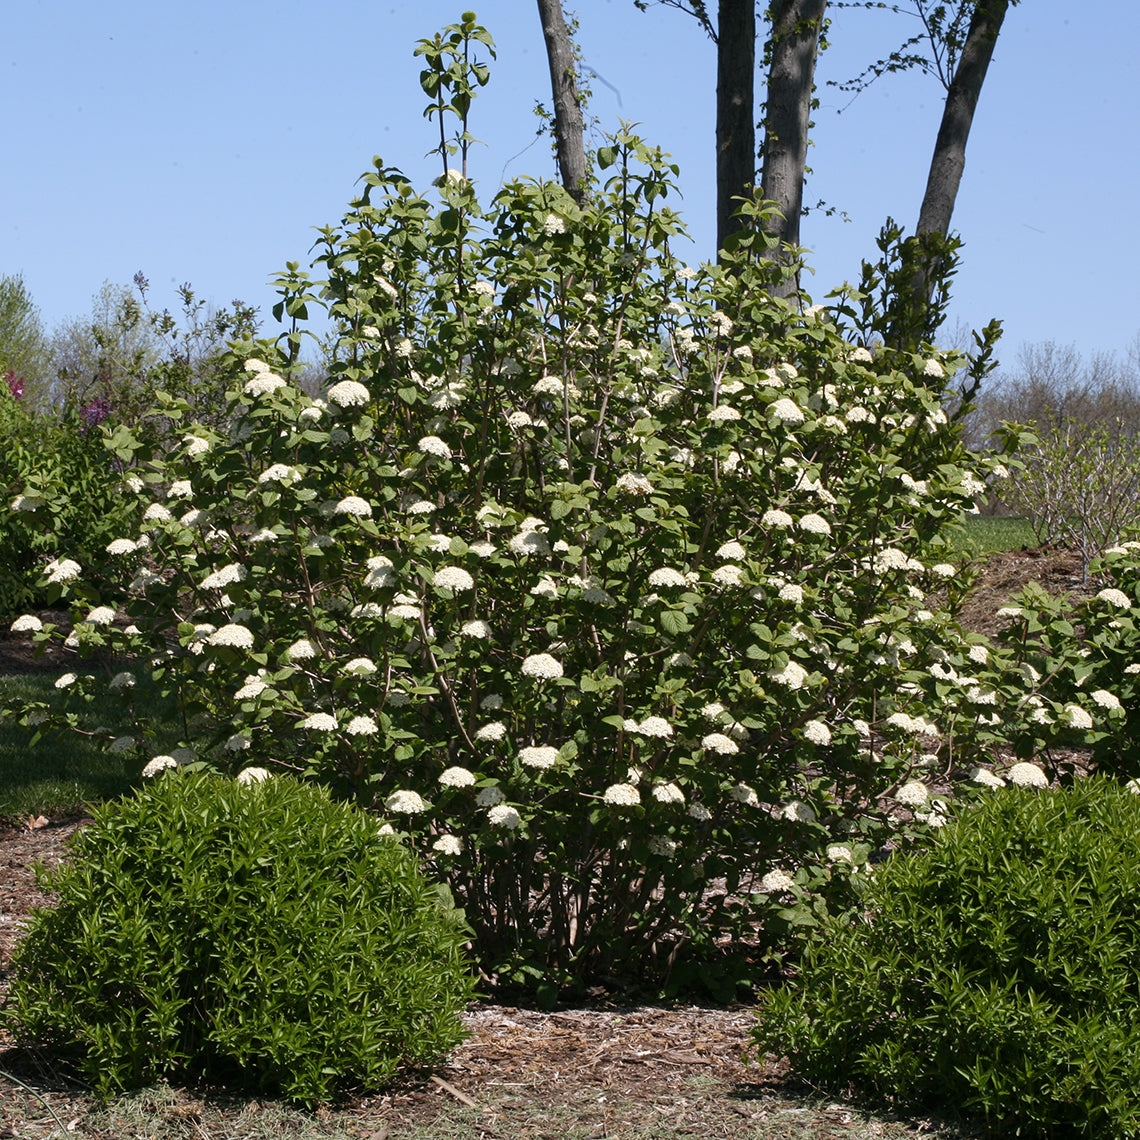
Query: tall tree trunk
[
  {"x": 735, "y": 123},
  {"x": 949, "y": 159},
  {"x": 796, "y": 28},
  {"x": 568, "y": 128}
]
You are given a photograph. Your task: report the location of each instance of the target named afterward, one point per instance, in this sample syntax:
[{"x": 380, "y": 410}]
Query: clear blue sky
[{"x": 203, "y": 141}]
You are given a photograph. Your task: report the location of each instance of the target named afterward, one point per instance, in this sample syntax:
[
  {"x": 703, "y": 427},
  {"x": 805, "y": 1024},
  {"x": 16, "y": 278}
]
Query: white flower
[
  {"x": 279, "y": 473},
  {"x": 792, "y": 676},
  {"x": 815, "y": 524},
  {"x": 302, "y": 650},
  {"x": 320, "y": 722},
  {"x": 540, "y": 757},
  {"x": 1028, "y": 775},
  {"x": 433, "y": 445},
  {"x": 817, "y": 732},
  {"x": 1009, "y": 612},
  {"x": 453, "y": 578},
  {"x": 405, "y": 801},
  {"x": 699, "y": 812},
  {"x": 362, "y": 726},
  {"x": 63, "y": 570},
  {"x": 622, "y": 795},
  {"x": 362, "y": 665},
  {"x": 634, "y": 484},
  {"x": 348, "y": 394},
  {"x": 420, "y": 507},
  {"x": 26, "y": 623},
  {"x": 655, "y": 726},
  {"x": 195, "y": 444},
  {"x": 448, "y": 845},
  {"x": 528, "y": 542},
  {"x": 798, "y": 812},
  {"x": 120, "y": 546},
  {"x": 476, "y": 628},
  {"x": 482, "y": 549},
  {"x": 101, "y": 615},
  {"x": 786, "y": 411},
  {"x": 496, "y": 730},
  {"x": 238, "y": 742},
  {"x": 354, "y": 505},
  {"x": 775, "y": 882},
  {"x": 723, "y": 414},
  {"x": 1077, "y": 716},
  {"x": 123, "y": 680},
  {"x": 234, "y": 635},
  {"x": 731, "y": 552},
  {"x": 262, "y": 384},
  {"x": 1105, "y": 699},
  {"x": 253, "y": 687},
  {"x": 668, "y": 794},
  {"x": 986, "y": 778},
  {"x": 728, "y": 575},
  {"x": 933, "y": 368},
  {"x": 541, "y": 666},
  {"x": 1115, "y": 598},
  {"x": 489, "y": 796},
  {"x": 944, "y": 570},
  {"x": 777, "y": 518},
  {"x": 666, "y": 576},
  {"x": 252, "y": 775},
  {"x": 224, "y": 577},
  {"x": 839, "y": 853},
  {"x": 456, "y": 778},
  {"x": 554, "y": 224},
  {"x": 66, "y": 680},
  {"x": 791, "y": 592},
  {"x": 913, "y": 794},
  {"x": 158, "y": 764},
  {"x": 718, "y": 742},
  {"x": 743, "y": 794},
  {"x": 503, "y": 815}
]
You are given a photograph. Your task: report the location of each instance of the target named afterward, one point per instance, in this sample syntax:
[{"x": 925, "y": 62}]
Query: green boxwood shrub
[
  {"x": 995, "y": 972},
  {"x": 258, "y": 933}
]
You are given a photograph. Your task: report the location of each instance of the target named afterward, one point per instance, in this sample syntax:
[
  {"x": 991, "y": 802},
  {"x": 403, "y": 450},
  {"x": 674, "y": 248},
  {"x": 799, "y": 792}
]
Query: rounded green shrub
[
  {"x": 257, "y": 933},
  {"x": 994, "y": 973}
]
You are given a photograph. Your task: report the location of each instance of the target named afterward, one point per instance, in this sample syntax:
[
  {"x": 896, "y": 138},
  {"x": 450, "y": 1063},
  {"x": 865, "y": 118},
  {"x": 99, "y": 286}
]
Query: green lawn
[
  {"x": 984, "y": 534},
  {"x": 60, "y": 772}
]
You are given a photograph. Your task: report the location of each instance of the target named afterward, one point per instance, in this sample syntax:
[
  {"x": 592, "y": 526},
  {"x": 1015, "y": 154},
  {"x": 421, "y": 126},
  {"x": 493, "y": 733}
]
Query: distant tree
[
  {"x": 569, "y": 131},
  {"x": 24, "y": 348}
]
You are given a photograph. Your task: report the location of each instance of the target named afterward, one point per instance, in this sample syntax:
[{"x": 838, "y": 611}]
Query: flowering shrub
[
  {"x": 62, "y": 490},
  {"x": 249, "y": 928},
  {"x": 994, "y": 974},
  {"x": 585, "y": 567}
]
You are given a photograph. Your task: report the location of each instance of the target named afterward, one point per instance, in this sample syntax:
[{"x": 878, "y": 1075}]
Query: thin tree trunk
[
  {"x": 949, "y": 158},
  {"x": 568, "y": 128},
  {"x": 796, "y": 27},
  {"x": 735, "y": 123}
]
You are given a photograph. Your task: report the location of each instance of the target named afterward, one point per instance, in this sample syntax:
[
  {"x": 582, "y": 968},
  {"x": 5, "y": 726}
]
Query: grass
[
  {"x": 977, "y": 535},
  {"x": 56, "y": 774}
]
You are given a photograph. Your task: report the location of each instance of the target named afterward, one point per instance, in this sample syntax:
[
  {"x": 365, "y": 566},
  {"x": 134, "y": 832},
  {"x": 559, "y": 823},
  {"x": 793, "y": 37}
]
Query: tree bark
[
  {"x": 949, "y": 159},
  {"x": 735, "y": 123},
  {"x": 568, "y": 127},
  {"x": 796, "y": 27}
]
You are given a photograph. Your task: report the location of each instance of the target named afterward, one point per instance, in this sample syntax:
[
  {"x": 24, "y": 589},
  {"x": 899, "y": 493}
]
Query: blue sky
[{"x": 204, "y": 141}]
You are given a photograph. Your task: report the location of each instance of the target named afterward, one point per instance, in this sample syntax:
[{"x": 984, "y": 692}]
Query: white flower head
[
  {"x": 722, "y": 414},
  {"x": 362, "y": 726},
  {"x": 453, "y": 578},
  {"x": 433, "y": 445},
  {"x": 777, "y": 519},
  {"x": 666, "y": 576},
  {"x": 1115, "y": 598},
  {"x": 633, "y": 484},
  {"x": 457, "y": 777},
  {"x": 540, "y": 757},
  {"x": 359, "y": 665},
  {"x": 320, "y": 722},
  {"x": 542, "y": 666},
  {"x": 236, "y": 636},
  {"x": 448, "y": 845},
  {"x": 63, "y": 570},
  {"x": 407, "y": 802},
  {"x": 718, "y": 742},
  {"x": 655, "y": 726},
  {"x": 158, "y": 764},
  {"x": 263, "y": 383},
  {"x": 786, "y": 411},
  {"x": 913, "y": 794},
  {"x": 348, "y": 394},
  {"x": 493, "y": 731},
  {"x": 26, "y": 623},
  {"x": 817, "y": 732},
  {"x": 1102, "y": 697},
  {"x": 355, "y": 506},
  {"x": 253, "y": 775},
  {"x": 777, "y": 882},
  {"x": 1026, "y": 774},
  {"x": 503, "y": 815},
  {"x": 815, "y": 524},
  {"x": 622, "y": 795},
  {"x": 668, "y": 794},
  {"x": 731, "y": 552}
]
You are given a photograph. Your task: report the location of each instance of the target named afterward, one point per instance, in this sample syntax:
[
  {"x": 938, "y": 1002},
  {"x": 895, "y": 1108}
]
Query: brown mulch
[{"x": 616, "y": 1070}]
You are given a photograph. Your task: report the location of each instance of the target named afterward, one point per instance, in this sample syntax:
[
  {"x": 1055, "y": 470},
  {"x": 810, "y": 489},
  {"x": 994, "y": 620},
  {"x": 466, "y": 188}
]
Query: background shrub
[
  {"x": 257, "y": 932},
  {"x": 994, "y": 972}
]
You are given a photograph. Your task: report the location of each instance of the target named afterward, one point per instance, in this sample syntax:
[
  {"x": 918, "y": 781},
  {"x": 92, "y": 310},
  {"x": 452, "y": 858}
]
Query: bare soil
[{"x": 604, "y": 1071}]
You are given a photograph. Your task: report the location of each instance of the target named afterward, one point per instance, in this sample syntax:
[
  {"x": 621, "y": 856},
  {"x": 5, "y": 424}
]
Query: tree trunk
[
  {"x": 568, "y": 128},
  {"x": 796, "y": 27},
  {"x": 735, "y": 124},
  {"x": 949, "y": 158}
]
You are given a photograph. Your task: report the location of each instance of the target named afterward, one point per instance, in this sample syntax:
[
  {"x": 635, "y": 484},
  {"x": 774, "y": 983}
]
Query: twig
[
  {"x": 450, "y": 1088},
  {"x": 28, "y": 1088}
]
